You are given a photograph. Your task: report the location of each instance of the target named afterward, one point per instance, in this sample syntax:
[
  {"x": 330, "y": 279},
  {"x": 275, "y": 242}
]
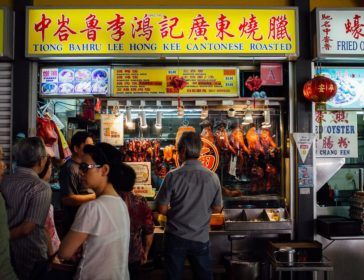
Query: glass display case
[
  {"x": 247, "y": 144},
  {"x": 243, "y": 143}
]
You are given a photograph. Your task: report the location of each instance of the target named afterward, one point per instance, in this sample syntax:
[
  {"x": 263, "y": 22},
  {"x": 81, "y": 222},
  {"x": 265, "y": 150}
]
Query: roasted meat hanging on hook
[
  {"x": 272, "y": 178},
  {"x": 207, "y": 131},
  {"x": 237, "y": 139},
  {"x": 168, "y": 154},
  {"x": 253, "y": 140},
  {"x": 222, "y": 139},
  {"x": 266, "y": 139},
  {"x": 269, "y": 146},
  {"x": 238, "y": 143},
  {"x": 256, "y": 178}
]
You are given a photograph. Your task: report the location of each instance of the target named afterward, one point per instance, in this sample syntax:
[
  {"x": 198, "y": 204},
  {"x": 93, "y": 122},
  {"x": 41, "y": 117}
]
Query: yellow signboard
[
  {"x": 2, "y": 24},
  {"x": 198, "y": 31},
  {"x": 171, "y": 81}
]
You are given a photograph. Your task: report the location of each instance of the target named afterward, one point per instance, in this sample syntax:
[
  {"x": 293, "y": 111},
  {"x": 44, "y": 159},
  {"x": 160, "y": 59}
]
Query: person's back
[
  {"x": 194, "y": 189},
  {"x": 28, "y": 200},
  {"x": 187, "y": 196}
]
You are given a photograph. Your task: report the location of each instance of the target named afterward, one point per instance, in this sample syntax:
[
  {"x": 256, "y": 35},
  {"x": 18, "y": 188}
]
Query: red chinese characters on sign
[
  {"x": 116, "y": 25},
  {"x": 91, "y": 22},
  {"x": 250, "y": 28},
  {"x": 328, "y": 143},
  {"x": 42, "y": 25},
  {"x": 199, "y": 27},
  {"x": 222, "y": 25},
  {"x": 63, "y": 31},
  {"x": 278, "y": 28},
  {"x": 354, "y": 28},
  {"x": 142, "y": 27},
  {"x": 340, "y": 117},
  {"x": 320, "y": 116},
  {"x": 326, "y": 29},
  {"x": 167, "y": 29},
  {"x": 343, "y": 142}
]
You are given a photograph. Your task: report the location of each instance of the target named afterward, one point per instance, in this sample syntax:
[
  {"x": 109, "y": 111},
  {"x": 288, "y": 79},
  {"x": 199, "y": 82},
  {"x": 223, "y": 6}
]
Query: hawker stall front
[
  {"x": 138, "y": 78},
  {"x": 339, "y": 139}
]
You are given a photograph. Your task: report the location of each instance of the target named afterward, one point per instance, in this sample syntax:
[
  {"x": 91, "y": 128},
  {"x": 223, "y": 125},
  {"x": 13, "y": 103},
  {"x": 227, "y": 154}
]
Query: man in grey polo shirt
[
  {"x": 27, "y": 203},
  {"x": 188, "y": 196}
]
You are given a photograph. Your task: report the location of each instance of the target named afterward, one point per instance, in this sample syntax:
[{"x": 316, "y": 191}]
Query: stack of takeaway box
[{"x": 143, "y": 182}]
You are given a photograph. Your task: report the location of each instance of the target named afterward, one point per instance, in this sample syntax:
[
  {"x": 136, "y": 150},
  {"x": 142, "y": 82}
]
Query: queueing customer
[
  {"x": 6, "y": 271},
  {"x": 28, "y": 199},
  {"x": 53, "y": 239},
  {"x": 141, "y": 226},
  {"x": 101, "y": 226},
  {"x": 72, "y": 191},
  {"x": 187, "y": 196}
]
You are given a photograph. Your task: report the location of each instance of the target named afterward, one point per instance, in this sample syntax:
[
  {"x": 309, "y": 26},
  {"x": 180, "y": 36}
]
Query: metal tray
[{"x": 256, "y": 219}]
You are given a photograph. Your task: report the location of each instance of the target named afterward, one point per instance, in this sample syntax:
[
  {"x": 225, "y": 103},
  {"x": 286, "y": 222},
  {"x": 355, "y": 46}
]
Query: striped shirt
[{"x": 27, "y": 199}]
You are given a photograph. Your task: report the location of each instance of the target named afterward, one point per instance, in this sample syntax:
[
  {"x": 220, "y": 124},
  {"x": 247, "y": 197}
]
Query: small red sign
[{"x": 271, "y": 74}]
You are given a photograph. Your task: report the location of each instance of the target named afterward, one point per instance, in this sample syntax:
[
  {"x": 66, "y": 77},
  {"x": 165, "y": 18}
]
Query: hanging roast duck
[
  {"x": 253, "y": 139},
  {"x": 222, "y": 139},
  {"x": 207, "y": 131},
  {"x": 237, "y": 139},
  {"x": 267, "y": 142}
]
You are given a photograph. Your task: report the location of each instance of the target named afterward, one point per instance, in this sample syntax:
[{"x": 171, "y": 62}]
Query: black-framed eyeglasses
[{"x": 84, "y": 167}]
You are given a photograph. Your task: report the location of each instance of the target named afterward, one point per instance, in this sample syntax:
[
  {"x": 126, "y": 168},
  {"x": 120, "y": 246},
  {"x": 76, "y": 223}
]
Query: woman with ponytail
[{"x": 101, "y": 226}]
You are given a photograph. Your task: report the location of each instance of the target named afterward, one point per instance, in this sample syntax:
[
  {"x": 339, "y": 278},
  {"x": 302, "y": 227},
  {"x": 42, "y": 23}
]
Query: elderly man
[
  {"x": 27, "y": 200},
  {"x": 192, "y": 193}
]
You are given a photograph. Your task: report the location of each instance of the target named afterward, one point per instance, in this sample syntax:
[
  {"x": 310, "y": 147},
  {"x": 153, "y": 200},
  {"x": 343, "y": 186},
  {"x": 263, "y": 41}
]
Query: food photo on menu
[
  {"x": 350, "y": 87},
  {"x": 75, "y": 81}
]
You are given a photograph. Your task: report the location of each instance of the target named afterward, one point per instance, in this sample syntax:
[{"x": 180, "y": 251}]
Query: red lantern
[{"x": 319, "y": 89}]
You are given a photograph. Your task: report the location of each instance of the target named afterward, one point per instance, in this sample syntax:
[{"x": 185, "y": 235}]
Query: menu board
[
  {"x": 156, "y": 81},
  {"x": 350, "y": 87},
  {"x": 70, "y": 81}
]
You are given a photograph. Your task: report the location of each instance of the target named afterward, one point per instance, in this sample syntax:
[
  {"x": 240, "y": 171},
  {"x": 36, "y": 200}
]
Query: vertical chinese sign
[
  {"x": 339, "y": 134},
  {"x": 340, "y": 32},
  {"x": 102, "y": 31}
]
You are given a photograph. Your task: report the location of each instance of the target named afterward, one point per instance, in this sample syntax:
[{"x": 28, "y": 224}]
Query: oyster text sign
[{"x": 336, "y": 134}]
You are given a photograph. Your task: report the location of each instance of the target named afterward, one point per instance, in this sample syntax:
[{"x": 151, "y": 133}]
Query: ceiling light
[
  {"x": 143, "y": 120},
  {"x": 128, "y": 118},
  {"x": 266, "y": 114},
  {"x": 158, "y": 120}
]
